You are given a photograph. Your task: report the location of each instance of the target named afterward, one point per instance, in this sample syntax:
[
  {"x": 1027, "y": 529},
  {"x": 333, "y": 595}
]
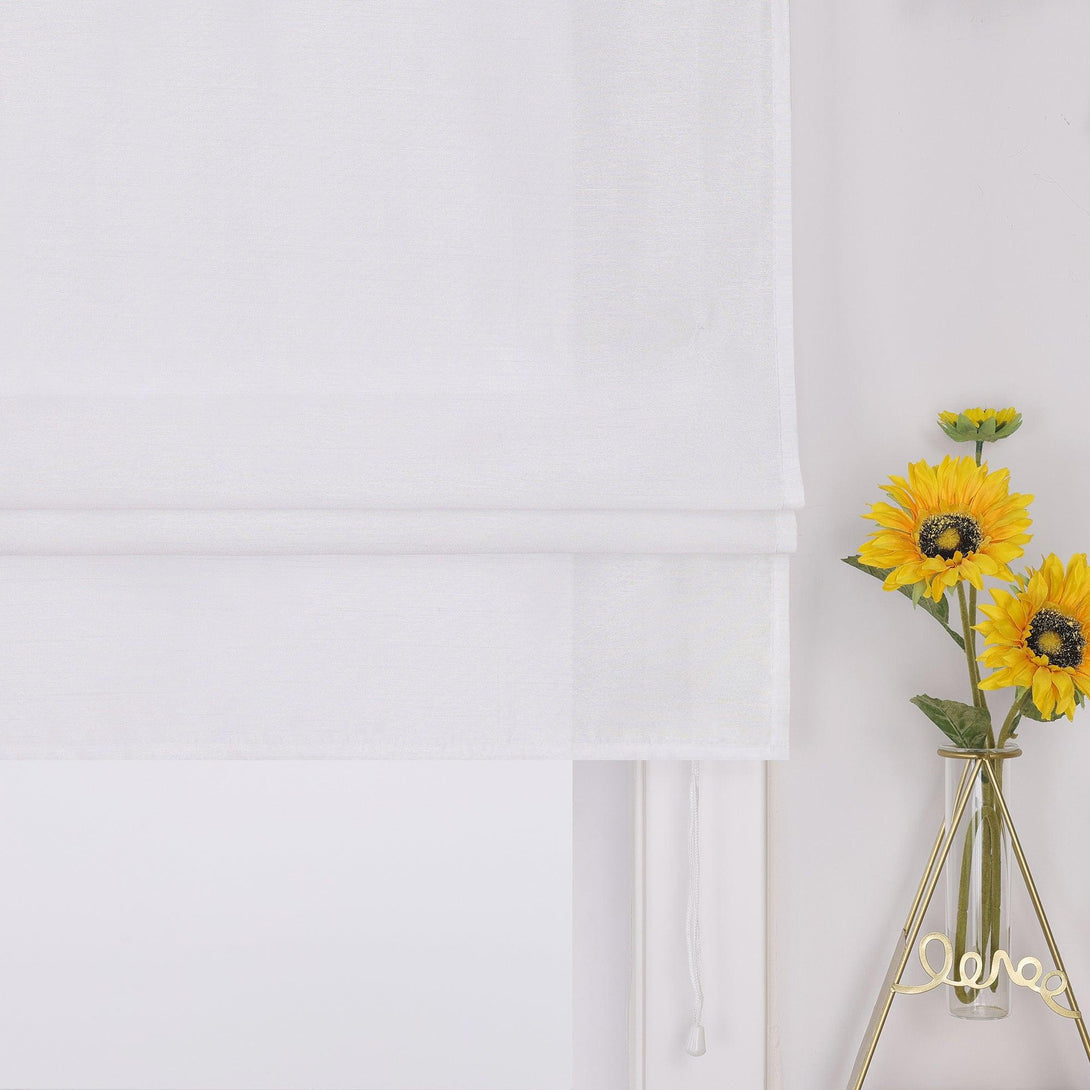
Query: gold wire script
[{"x": 971, "y": 969}]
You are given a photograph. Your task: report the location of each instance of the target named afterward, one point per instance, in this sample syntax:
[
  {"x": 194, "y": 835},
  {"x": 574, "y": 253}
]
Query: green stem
[
  {"x": 987, "y": 885},
  {"x": 972, "y": 642},
  {"x": 1011, "y": 722},
  {"x": 993, "y": 864},
  {"x": 965, "y": 995},
  {"x": 970, "y": 657},
  {"x": 984, "y": 830}
]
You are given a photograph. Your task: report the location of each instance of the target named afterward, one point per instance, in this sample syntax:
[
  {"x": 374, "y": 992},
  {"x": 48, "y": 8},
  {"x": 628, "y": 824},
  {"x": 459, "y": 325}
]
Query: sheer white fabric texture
[{"x": 397, "y": 379}]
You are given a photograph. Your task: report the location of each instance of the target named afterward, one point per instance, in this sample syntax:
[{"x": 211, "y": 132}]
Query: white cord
[{"x": 695, "y": 1044}]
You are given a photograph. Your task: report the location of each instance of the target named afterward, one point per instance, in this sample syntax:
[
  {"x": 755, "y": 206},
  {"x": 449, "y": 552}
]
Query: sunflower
[
  {"x": 1036, "y": 638},
  {"x": 980, "y": 425},
  {"x": 952, "y": 521}
]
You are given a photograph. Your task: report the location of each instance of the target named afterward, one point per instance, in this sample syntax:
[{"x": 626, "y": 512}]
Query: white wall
[{"x": 942, "y": 240}]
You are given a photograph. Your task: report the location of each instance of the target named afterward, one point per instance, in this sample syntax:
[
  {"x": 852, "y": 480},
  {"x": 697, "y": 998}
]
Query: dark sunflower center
[
  {"x": 944, "y": 535},
  {"x": 1057, "y": 636}
]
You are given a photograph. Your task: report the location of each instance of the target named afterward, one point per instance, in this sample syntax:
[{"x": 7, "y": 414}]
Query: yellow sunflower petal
[
  {"x": 1043, "y": 695},
  {"x": 999, "y": 680},
  {"x": 1022, "y": 676},
  {"x": 1065, "y": 690}
]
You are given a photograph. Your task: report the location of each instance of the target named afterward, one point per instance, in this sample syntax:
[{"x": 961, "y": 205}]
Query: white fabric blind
[{"x": 400, "y": 378}]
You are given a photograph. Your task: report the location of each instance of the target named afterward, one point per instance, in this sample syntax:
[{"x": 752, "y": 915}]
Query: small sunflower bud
[{"x": 980, "y": 425}]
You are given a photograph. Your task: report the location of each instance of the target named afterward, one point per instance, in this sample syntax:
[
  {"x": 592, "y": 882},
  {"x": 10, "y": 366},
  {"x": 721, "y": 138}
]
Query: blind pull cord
[{"x": 694, "y": 1044}]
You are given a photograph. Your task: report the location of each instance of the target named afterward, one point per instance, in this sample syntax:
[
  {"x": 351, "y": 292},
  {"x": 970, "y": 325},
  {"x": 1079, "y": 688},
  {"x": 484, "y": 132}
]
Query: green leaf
[
  {"x": 940, "y": 610},
  {"x": 963, "y": 724},
  {"x": 955, "y": 433}
]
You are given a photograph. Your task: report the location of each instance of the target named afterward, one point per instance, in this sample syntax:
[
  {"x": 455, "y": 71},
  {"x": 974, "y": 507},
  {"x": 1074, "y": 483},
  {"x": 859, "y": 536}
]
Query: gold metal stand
[{"x": 970, "y": 972}]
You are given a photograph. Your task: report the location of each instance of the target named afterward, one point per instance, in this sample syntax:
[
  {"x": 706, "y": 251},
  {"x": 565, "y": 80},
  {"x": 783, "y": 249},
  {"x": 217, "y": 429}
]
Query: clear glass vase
[{"x": 978, "y": 883}]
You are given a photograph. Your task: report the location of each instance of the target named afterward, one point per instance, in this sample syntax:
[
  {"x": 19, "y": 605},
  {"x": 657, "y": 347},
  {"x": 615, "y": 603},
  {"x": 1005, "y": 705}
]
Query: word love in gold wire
[{"x": 971, "y": 960}]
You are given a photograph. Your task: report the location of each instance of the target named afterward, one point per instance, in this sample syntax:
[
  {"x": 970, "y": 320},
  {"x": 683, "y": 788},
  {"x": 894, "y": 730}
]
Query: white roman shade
[{"x": 396, "y": 378}]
